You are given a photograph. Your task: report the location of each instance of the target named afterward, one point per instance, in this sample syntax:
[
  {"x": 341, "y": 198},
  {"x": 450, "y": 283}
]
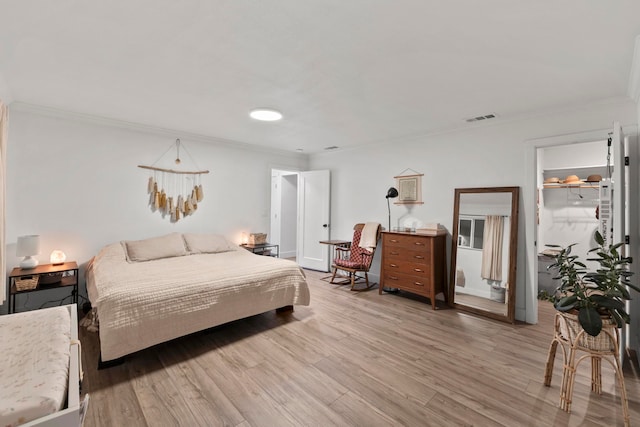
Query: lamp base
[{"x": 28, "y": 262}]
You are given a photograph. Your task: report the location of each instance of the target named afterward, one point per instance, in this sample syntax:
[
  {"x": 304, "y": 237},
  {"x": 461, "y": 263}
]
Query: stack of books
[{"x": 431, "y": 229}]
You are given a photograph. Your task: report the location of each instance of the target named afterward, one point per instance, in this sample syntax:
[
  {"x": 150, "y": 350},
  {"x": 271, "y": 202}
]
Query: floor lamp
[{"x": 392, "y": 193}]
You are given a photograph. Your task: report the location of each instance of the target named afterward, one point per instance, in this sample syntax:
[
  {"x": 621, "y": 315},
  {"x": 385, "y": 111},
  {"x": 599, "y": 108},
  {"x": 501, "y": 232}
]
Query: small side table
[
  {"x": 335, "y": 244},
  {"x": 68, "y": 271},
  {"x": 263, "y": 249}
]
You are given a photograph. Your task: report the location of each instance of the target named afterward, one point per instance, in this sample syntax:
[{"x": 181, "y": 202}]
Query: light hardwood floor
[{"x": 351, "y": 359}]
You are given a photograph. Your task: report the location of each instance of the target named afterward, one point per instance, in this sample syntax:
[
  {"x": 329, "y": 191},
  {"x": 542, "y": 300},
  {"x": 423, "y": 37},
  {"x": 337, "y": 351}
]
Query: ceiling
[{"x": 344, "y": 73}]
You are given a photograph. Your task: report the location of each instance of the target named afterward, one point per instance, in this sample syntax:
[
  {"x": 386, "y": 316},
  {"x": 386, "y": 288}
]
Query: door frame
[{"x": 530, "y": 206}]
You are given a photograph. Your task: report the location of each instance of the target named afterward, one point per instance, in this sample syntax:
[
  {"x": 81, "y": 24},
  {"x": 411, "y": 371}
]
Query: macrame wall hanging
[{"x": 174, "y": 193}]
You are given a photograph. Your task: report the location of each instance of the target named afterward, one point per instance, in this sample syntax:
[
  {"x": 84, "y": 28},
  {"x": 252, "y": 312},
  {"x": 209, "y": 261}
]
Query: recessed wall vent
[
  {"x": 333, "y": 147},
  {"x": 478, "y": 118}
]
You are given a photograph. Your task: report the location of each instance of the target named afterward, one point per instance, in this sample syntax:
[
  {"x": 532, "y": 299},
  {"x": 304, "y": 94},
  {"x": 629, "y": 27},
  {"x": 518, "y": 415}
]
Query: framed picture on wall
[{"x": 409, "y": 189}]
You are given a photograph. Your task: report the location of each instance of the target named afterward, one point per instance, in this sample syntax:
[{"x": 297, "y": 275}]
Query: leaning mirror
[{"x": 483, "y": 255}]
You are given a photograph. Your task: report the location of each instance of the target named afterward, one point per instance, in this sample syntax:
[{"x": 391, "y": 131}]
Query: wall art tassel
[{"x": 174, "y": 193}]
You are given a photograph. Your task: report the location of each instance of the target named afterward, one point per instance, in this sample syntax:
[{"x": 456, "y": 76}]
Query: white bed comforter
[
  {"x": 34, "y": 364},
  {"x": 141, "y": 304}
]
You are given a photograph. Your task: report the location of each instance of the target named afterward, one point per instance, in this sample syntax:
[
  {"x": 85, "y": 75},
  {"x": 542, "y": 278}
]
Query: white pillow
[
  {"x": 207, "y": 243},
  {"x": 167, "y": 246}
]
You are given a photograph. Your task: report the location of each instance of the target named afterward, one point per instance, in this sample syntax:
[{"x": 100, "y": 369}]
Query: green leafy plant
[{"x": 593, "y": 294}]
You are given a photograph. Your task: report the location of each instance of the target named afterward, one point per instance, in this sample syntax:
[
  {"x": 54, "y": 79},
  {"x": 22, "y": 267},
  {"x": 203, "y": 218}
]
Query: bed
[
  {"x": 151, "y": 291},
  {"x": 39, "y": 368}
]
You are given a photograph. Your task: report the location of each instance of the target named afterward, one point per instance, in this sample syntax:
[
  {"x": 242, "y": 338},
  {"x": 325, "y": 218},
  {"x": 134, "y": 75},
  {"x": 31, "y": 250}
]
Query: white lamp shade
[{"x": 28, "y": 245}]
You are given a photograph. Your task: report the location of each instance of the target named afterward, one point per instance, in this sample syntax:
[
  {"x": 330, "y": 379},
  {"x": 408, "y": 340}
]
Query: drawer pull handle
[
  {"x": 418, "y": 270},
  {"x": 393, "y": 265},
  {"x": 419, "y": 243},
  {"x": 394, "y": 240},
  {"x": 419, "y": 257},
  {"x": 418, "y": 284},
  {"x": 393, "y": 278},
  {"x": 395, "y": 253}
]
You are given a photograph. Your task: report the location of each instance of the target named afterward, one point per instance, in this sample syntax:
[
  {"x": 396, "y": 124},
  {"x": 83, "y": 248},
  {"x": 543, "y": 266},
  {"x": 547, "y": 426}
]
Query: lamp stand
[
  {"x": 28, "y": 262},
  {"x": 389, "y": 209}
]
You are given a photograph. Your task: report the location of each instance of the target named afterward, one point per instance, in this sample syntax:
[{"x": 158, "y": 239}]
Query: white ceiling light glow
[{"x": 265, "y": 114}]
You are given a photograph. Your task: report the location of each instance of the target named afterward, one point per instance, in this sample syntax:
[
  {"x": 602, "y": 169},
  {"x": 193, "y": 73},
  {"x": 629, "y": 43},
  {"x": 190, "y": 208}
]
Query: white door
[
  {"x": 618, "y": 175},
  {"x": 619, "y": 207},
  {"x": 314, "y": 192}
]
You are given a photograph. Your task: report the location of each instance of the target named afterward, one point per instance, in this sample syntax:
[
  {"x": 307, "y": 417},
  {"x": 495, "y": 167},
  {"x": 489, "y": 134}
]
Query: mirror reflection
[{"x": 484, "y": 251}]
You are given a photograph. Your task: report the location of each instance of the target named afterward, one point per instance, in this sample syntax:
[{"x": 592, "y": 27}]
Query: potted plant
[{"x": 593, "y": 295}]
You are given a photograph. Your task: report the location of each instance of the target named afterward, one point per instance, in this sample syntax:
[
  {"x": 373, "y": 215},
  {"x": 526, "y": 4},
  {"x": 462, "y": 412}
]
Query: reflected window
[{"x": 470, "y": 232}]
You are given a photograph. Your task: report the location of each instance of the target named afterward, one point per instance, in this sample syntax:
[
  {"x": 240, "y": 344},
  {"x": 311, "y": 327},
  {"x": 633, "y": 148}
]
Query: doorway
[
  {"x": 300, "y": 211},
  {"x": 284, "y": 211},
  {"x": 536, "y": 168},
  {"x": 568, "y": 195}
]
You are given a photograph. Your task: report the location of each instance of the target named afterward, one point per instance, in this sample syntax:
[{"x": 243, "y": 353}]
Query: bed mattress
[
  {"x": 141, "y": 304},
  {"x": 34, "y": 364}
]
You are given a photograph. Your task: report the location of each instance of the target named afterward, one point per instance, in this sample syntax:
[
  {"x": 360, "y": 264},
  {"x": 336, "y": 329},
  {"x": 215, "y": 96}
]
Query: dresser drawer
[
  {"x": 406, "y": 266},
  {"x": 397, "y": 254},
  {"x": 416, "y": 243},
  {"x": 416, "y": 284}
]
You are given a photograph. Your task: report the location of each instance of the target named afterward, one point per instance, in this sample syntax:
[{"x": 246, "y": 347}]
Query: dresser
[{"x": 415, "y": 263}]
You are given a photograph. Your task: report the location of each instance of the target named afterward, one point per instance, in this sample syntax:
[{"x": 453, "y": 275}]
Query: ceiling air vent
[
  {"x": 478, "y": 118},
  {"x": 333, "y": 147}
]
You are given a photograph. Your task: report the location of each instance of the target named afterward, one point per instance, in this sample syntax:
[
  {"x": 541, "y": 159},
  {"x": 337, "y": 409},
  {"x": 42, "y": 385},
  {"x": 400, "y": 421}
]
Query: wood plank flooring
[{"x": 351, "y": 359}]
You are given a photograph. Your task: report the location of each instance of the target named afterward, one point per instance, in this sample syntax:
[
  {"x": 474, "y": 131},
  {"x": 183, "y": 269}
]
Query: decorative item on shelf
[
  {"x": 409, "y": 188},
  {"x": 404, "y": 229},
  {"x": 594, "y": 178},
  {"x": 26, "y": 283},
  {"x": 431, "y": 229},
  {"x": 50, "y": 278},
  {"x": 257, "y": 238},
  {"x": 174, "y": 193},
  {"x": 57, "y": 257},
  {"x": 27, "y": 247},
  {"x": 572, "y": 179},
  {"x": 392, "y": 193}
]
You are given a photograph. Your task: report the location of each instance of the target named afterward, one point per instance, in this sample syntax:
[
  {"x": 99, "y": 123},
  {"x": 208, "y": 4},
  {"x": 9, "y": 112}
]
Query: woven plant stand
[{"x": 573, "y": 339}]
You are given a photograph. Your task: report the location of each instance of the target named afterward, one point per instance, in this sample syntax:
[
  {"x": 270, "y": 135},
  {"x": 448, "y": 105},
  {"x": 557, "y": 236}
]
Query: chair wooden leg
[
  {"x": 548, "y": 372},
  {"x": 335, "y": 270}
]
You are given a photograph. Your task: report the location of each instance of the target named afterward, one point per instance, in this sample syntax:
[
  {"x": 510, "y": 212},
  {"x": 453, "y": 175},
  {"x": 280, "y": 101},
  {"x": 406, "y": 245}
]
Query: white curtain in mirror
[{"x": 492, "y": 248}]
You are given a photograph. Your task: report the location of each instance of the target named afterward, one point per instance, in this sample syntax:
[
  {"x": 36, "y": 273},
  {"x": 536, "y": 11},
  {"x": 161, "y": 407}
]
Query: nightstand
[
  {"x": 41, "y": 278},
  {"x": 263, "y": 249}
]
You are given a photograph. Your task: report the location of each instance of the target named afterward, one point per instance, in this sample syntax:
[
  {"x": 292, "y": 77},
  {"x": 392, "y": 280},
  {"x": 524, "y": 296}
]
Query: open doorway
[
  {"x": 568, "y": 195},
  {"x": 284, "y": 211}
]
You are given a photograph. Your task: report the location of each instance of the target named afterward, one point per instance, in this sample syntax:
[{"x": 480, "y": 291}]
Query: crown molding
[
  {"x": 55, "y": 112},
  {"x": 634, "y": 75}
]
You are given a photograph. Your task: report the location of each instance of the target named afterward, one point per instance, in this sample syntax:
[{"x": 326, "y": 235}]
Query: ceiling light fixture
[{"x": 265, "y": 114}]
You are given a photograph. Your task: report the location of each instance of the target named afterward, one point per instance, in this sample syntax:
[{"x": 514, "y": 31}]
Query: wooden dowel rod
[{"x": 171, "y": 170}]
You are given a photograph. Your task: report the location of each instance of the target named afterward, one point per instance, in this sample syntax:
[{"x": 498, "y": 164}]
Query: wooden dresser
[{"x": 415, "y": 263}]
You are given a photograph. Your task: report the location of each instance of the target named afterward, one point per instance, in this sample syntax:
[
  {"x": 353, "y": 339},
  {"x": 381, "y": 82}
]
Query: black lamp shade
[{"x": 392, "y": 193}]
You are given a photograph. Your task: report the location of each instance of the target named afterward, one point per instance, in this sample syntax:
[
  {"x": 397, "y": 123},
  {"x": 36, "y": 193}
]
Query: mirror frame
[{"x": 513, "y": 251}]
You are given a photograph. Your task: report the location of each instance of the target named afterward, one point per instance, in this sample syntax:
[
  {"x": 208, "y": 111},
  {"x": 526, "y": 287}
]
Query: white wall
[
  {"x": 480, "y": 156},
  {"x": 76, "y": 183}
]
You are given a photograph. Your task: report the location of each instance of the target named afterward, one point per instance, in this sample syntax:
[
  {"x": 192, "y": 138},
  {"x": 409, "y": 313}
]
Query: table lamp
[
  {"x": 28, "y": 246},
  {"x": 392, "y": 193}
]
